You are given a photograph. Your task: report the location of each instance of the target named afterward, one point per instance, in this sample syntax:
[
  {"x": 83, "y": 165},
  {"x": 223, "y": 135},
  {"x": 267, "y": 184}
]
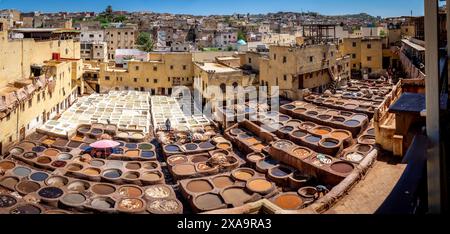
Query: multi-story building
[
  {"x": 158, "y": 75},
  {"x": 41, "y": 76},
  {"x": 365, "y": 53},
  {"x": 297, "y": 67},
  {"x": 226, "y": 38},
  {"x": 120, "y": 37}
]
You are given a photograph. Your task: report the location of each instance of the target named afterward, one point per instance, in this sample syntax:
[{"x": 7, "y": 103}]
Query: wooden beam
[{"x": 432, "y": 105}]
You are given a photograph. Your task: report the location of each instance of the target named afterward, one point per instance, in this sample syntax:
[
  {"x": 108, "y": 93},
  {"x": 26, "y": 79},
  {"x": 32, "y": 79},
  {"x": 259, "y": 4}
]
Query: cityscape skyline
[{"x": 207, "y": 7}]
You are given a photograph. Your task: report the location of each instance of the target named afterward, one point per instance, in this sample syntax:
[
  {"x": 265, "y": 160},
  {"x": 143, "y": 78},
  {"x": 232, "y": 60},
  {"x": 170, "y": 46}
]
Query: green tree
[
  {"x": 120, "y": 18},
  {"x": 145, "y": 41},
  {"x": 241, "y": 35}
]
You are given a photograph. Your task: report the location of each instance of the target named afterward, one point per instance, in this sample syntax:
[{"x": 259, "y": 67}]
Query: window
[
  {"x": 249, "y": 60},
  {"x": 354, "y": 44},
  {"x": 30, "y": 103},
  {"x": 135, "y": 79},
  {"x": 168, "y": 79},
  {"x": 285, "y": 77},
  {"x": 354, "y": 56},
  {"x": 148, "y": 80},
  {"x": 369, "y": 46},
  {"x": 311, "y": 59},
  {"x": 284, "y": 59},
  {"x": 155, "y": 68},
  {"x": 155, "y": 81},
  {"x": 369, "y": 58},
  {"x": 171, "y": 67},
  {"x": 354, "y": 65},
  {"x": 106, "y": 77},
  {"x": 137, "y": 68},
  {"x": 184, "y": 67},
  {"x": 274, "y": 56}
]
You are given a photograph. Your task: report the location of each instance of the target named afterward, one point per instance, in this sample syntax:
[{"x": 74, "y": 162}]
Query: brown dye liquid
[
  {"x": 6, "y": 165},
  {"x": 133, "y": 166},
  {"x": 184, "y": 169},
  {"x": 28, "y": 186},
  {"x": 129, "y": 191},
  {"x": 321, "y": 131},
  {"x": 196, "y": 159},
  {"x": 151, "y": 176},
  {"x": 27, "y": 145},
  {"x": 251, "y": 141},
  {"x": 74, "y": 167},
  {"x": 44, "y": 160},
  {"x": 91, "y": 171},
  {"x": 363, "y": 148},
  {"x": 132, "y": 175},
  {"x": 258, "y": 147},
  {"x": 255, "y": 157},
  {"x": 342, "y": 167},
  {"x": 199, "y": 186},
  {"x": 340, "y": 135},
  {"x": 51, "y": 152},
  {"x": 208, "y": 201},
  {"x": 242, "y": 175},
  {"x": 302, "y": 153},
  {"x": 103, "y": 189},
  {"x": 288, "y": 201},
  {"x": 222, "y": 181},
  {"x": 132, "y": 153},
  {"x": 10, "y": 182},
  {"x": 235, "y": 195},
  {"x": 223, "y": 146},
  {"x": 259, "y": 185},
  {"x": 48, "y": 141}
]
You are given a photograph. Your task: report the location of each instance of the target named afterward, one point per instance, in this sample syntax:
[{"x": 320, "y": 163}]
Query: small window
[
  {"x": 354, "y": 56},
  {"x": 106, "y": 77},
  {"x": 155, "y": 68},
  {"x": 148, "y": 80},
  {"x": 354, "y": 44},
  {"x": 274, "y": 56},
  {"x": 285, "y": 77},
  {"x": 135, "y": 79},
  {"x": 284, "y": 59},
  {"x": 311, "y": 59},
  {"x": 249, "y": 60},
  {"x": 184, "y": 67},
  {"x": 137, "y": 68},
  {"x": 369, "y": 58},
  {"x": 171, "y": 67},
  {"x": 155, "y": 81},
  {"x": 369, "y": 46}
]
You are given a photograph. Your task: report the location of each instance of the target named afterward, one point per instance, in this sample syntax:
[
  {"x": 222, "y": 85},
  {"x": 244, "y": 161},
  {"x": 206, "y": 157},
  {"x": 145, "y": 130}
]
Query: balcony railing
[{"x": 410, "y": 68}]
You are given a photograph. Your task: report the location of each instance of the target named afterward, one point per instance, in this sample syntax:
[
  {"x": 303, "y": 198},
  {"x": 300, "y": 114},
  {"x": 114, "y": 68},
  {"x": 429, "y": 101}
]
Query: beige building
[
  {"x": 158, "y": 75},
  {"x": 365, "y": 53},
  {"x": 123, "y": 37},
  {"x": 34, "y": 87},
  {"x": 294, "y": 68}
]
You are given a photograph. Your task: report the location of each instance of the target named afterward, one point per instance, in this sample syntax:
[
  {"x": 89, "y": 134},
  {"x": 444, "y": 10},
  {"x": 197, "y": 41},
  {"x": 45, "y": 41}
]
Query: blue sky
[{"x": 384, "y": 8}]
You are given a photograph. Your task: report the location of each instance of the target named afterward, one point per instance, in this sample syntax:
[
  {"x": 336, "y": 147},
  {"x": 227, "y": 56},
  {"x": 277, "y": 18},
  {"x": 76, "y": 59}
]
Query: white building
[{"x": 92, "y": 36}]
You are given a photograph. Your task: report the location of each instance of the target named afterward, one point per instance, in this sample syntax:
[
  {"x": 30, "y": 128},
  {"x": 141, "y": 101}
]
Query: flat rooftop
[{"x": 216, "y": 67}]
